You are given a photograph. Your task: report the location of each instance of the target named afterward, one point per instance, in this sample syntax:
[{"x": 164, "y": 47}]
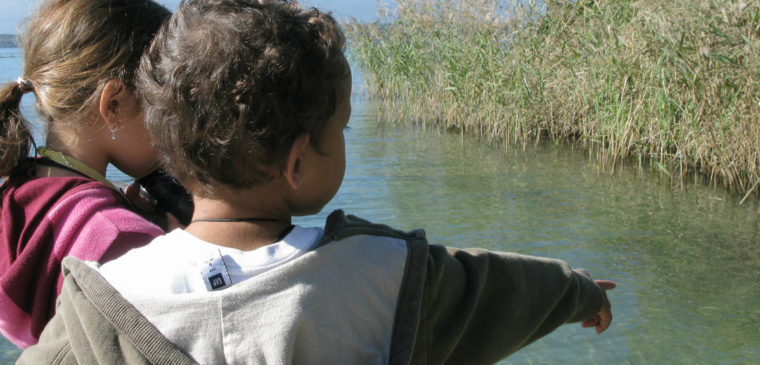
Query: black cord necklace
[
  {"x": 280, "y": 236},
  {"x": 229, "y": 220}
]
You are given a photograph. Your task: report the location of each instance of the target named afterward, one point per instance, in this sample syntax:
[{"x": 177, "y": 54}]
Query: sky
[{"x": 13, "y": 11}]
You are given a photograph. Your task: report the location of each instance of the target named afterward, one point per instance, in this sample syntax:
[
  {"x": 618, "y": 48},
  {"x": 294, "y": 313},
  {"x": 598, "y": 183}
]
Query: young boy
[{"x": 247, "y": 102}]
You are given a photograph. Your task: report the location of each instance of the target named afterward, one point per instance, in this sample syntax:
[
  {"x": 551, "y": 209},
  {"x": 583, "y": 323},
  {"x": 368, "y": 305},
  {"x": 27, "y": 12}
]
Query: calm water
[{"x": 687, "y": 261}]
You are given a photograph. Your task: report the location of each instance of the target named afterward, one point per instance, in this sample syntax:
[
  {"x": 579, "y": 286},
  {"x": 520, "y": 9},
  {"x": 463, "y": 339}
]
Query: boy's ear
[
  {"x": 294, "y": 163},
  {"x": 110, "y": 100}
]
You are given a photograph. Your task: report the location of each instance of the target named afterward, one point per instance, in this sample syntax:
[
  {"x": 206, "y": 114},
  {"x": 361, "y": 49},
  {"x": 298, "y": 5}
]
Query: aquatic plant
[{"x": 675, "y": 84}]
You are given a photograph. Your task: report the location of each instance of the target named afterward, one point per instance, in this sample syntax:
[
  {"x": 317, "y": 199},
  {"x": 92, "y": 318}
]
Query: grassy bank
[{"x": 674, "y": 84}]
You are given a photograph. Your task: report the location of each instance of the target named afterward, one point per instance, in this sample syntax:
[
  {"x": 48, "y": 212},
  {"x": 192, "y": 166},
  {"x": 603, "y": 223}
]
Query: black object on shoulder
[{"x": 169, "y": 195}]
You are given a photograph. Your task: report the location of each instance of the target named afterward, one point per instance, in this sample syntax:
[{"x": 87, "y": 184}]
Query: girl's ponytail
[{"x": 15, "y": 136}]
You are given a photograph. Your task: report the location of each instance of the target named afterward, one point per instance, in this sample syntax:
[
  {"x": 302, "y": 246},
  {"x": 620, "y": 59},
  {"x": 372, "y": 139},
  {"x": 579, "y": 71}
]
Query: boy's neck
[
  {"x": 240, "y": 220},
  {"x": 244, "y": 236}
]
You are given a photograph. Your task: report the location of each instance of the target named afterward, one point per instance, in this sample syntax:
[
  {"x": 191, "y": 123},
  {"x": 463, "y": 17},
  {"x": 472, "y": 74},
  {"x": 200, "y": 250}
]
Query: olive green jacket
[{"x": 446, "y": 306}]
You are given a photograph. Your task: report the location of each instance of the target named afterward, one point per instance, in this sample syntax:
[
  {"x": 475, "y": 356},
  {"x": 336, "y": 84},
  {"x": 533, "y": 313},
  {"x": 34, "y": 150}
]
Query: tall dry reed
[{"x": 676, "y": 82}]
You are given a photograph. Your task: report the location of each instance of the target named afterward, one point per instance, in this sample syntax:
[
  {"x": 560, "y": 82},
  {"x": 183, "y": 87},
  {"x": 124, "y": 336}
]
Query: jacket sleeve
[{"x": 480, "y": 306}]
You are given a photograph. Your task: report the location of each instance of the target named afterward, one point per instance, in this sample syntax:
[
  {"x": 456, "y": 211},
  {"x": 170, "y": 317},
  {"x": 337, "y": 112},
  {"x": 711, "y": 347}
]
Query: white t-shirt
[{"x": 182, "y": 263}]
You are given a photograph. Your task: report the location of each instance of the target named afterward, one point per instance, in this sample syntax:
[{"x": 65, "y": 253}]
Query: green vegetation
[
  {"x": 8, "y": 41},
  {"x": 675, "y": 83}
]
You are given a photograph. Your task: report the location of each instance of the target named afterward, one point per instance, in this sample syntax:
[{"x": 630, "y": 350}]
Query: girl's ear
[
  {"x": 110, "y": 100},
  {"x": 295, "y": 161}
]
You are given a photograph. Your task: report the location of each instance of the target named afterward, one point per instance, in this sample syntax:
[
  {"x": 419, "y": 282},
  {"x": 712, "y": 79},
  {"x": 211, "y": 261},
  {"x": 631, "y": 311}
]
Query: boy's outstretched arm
[
  {"x": 602, "y": 319},
  {"x": 480, "y": 306}
]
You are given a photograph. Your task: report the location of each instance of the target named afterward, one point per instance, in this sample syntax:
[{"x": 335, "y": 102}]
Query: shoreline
[
  {"x": 672, "y": 84},
  {"x": 8, "y": 41}
]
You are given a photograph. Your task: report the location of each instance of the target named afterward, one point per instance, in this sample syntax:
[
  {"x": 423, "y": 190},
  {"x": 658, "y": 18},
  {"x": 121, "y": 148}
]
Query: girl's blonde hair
[{"x": 71, "y": 49}]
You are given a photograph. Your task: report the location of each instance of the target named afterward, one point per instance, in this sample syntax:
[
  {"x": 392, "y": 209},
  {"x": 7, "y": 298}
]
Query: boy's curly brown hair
[{"x": 228, "y": 85}]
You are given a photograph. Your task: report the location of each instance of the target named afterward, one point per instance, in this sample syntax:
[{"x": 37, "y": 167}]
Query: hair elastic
[{"x": 24, "y": 84}]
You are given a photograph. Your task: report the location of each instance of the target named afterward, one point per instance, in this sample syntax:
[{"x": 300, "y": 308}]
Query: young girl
[{"x": 80, "y": 58}]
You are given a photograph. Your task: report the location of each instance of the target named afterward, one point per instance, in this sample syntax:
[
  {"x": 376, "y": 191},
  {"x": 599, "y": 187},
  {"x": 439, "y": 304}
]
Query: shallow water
[{"x": 687, "y": 260}]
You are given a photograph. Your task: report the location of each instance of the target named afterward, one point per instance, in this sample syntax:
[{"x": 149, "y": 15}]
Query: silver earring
[{"x": 113, "y": 133}]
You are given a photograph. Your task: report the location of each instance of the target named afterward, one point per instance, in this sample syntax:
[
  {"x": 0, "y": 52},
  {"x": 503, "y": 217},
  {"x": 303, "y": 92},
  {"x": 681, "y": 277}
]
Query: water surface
[{"x": 687, "y": 260}]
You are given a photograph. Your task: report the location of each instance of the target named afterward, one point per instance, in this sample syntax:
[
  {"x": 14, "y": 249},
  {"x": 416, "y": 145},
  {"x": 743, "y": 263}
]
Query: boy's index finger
[{"x": 606, "y": 284}]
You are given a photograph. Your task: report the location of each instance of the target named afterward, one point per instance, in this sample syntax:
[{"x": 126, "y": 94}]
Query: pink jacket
[{"x": 44, "y": 220}]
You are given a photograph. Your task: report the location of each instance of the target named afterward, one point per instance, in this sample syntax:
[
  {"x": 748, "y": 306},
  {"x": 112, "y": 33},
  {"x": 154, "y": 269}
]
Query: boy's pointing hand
[{"x": 603, "y": 319}]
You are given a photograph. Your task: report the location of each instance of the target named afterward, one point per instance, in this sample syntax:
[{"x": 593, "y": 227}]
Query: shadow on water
[{"x": 687, "y": 261}]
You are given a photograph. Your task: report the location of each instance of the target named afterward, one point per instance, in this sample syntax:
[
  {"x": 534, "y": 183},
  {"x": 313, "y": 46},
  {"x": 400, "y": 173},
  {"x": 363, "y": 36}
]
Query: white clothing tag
[{"x": 215, "y": 274}]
